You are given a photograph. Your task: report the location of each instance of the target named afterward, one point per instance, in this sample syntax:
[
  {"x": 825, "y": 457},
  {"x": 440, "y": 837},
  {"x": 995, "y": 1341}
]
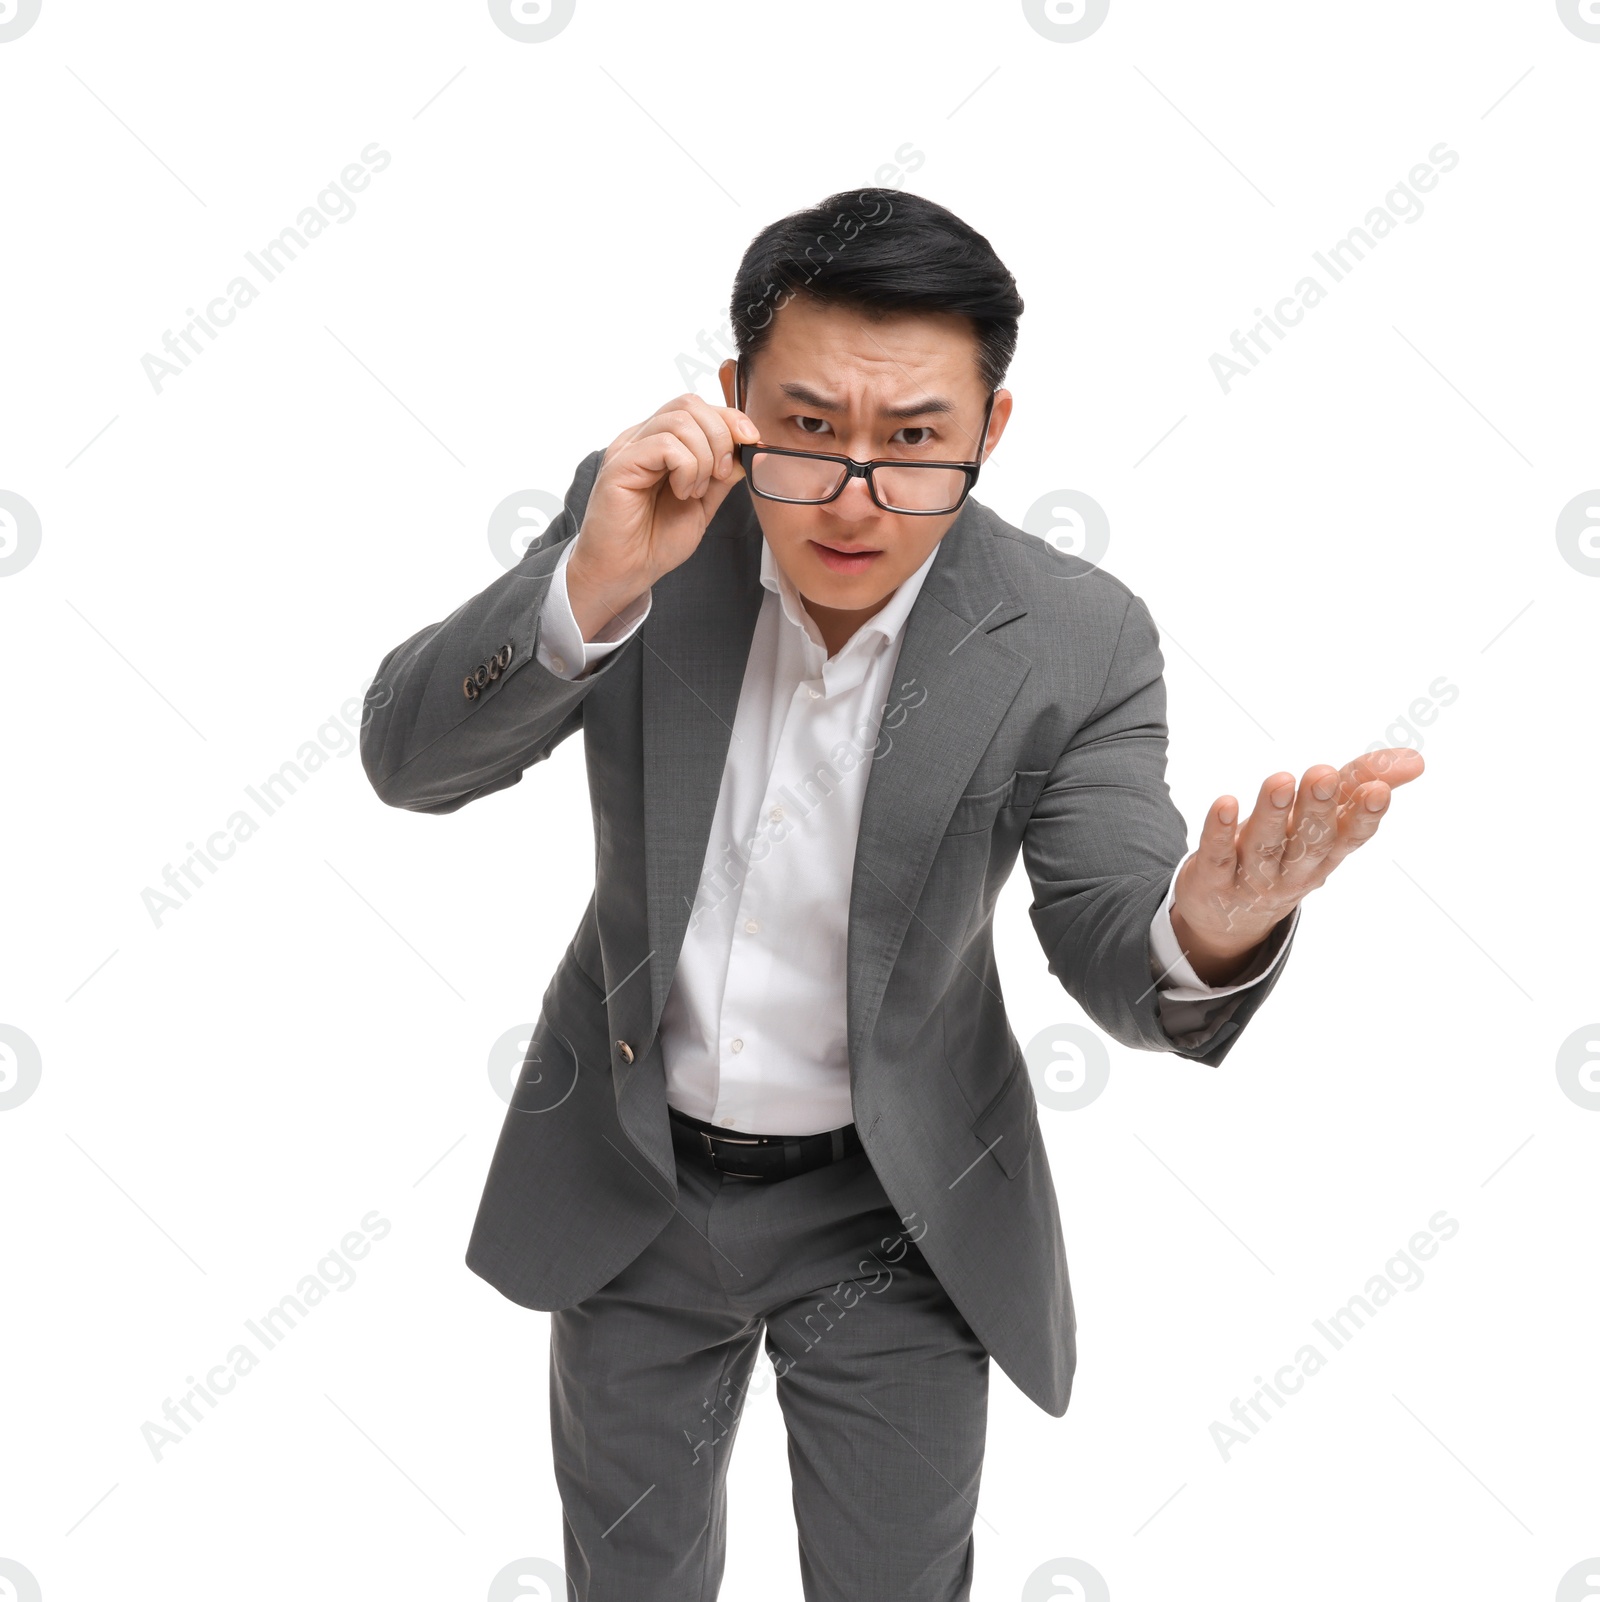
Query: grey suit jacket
[{"x": 1028, "y": 713}]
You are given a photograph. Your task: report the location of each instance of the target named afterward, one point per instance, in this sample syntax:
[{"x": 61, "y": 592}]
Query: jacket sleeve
[
  {"x": 462, "y": 707},
  {"x": 1101, "y": 847}
]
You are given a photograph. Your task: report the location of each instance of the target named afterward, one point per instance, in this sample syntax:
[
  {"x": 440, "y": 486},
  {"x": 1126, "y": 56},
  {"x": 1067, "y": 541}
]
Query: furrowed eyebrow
[{"x": 928, "y": 406}]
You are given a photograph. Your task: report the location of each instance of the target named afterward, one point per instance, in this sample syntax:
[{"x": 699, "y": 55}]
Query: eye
[{"x": 818, "y": 427}]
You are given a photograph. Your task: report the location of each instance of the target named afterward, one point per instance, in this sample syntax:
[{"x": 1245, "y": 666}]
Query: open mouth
[{"x": 844, "y": 560}]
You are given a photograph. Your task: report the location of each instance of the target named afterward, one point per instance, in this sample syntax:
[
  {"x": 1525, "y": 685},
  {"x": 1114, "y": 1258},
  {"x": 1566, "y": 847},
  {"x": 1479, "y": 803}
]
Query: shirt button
[
  {"x": 750, "y": 925},
  {"x": 559, "y": 664},
  {"x": 776, "y": 814},
  {"x": 736, "y": 1045},
  {"x": 727, "y": 1123},
  {"x": 816, "y": 695}
]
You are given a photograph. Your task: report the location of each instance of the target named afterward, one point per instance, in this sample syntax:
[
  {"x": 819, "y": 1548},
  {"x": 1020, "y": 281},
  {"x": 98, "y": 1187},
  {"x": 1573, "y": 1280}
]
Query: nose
[{"x": 854, "y": 503}]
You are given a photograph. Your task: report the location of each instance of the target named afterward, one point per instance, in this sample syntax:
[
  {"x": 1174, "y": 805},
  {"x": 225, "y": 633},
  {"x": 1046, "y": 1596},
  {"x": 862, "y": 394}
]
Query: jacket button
[
  {"x": 469, "y": 689},
  {"x": 625, "y": 1051}
]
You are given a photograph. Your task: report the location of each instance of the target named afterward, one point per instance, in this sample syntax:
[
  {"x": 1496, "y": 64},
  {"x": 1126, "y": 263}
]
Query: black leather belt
[{"x": 767, "y": 1157}]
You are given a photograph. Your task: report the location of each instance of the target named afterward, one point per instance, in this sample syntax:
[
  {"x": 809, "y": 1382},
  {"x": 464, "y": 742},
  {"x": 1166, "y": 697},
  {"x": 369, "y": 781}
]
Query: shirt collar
[{"x": 886, "y": 623}]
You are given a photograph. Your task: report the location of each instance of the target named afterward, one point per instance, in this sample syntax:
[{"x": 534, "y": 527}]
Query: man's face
[{"x": 829, "y": 379}]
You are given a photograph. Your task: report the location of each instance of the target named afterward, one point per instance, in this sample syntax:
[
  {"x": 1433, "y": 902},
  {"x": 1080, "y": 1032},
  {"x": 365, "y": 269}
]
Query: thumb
[{"x": 717, "y": 490}]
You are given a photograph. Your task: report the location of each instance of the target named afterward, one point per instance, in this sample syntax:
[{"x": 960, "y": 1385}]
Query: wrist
[
  {"x": 596, "y": 603},
  {"x": 1217, "y": 960}
]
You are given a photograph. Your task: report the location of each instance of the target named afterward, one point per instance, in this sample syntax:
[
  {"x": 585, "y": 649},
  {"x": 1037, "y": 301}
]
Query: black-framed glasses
[{"x": 813, "y": 478}]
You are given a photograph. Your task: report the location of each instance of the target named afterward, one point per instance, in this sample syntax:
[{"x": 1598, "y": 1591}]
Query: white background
[{"x": 225, "y": 1095}]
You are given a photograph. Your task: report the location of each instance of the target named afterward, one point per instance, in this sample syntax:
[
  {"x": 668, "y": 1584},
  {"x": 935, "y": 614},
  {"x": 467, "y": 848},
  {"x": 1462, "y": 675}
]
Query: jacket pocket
[
  {"x": 588, "y": 978},
  {"x": 575, "y": 1007},
  {"x": 1008, "y": 1124},
  {"x": 978, "y": 810}
]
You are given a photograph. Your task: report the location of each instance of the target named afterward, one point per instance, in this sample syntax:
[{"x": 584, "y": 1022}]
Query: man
[{"x": 773, "y": 1095}]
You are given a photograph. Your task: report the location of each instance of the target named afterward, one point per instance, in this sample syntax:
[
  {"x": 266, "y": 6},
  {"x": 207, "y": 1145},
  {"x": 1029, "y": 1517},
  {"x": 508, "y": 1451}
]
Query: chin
[{"x": 860, "y": 599}]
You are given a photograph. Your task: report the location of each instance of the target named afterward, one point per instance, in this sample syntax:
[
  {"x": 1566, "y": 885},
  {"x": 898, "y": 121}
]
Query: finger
[
  {"x": 718, "y": 435},
  {"x": 744, "y": 428},
  {"x": 1358, "y": 822},
  {"x": 680, "y": 421},
  {"x": 1261, "y": 840},
  {"x": 717, "y": 492},
  {"x": 1313, "y": 825},
  {"x": 1395, "y": 765},
  {"x": 647, "y": 461},
  {"x": 1216, "y": 856}
]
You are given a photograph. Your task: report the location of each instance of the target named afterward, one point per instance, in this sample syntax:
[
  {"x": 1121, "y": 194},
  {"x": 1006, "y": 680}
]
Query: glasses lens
[
  {"x": 793, "y": 478},
  {"x": 917, "y": 488},
  {"x": 912, "y": 487}
]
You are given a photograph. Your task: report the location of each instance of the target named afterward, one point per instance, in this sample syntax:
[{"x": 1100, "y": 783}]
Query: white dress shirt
[{"x": 753, "y": 1032}]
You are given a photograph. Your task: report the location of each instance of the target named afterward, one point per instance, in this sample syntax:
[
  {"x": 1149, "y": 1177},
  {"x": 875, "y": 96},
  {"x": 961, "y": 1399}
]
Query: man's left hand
[{"x": 1243, "y": 881}]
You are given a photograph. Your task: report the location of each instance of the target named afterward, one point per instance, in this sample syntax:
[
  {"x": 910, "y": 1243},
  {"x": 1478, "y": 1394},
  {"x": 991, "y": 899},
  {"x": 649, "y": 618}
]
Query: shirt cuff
[
  {"x": 1191, "y": 1011},
  {"x": 561, "y": 646},
  {"x": 1175, "y": 974}
]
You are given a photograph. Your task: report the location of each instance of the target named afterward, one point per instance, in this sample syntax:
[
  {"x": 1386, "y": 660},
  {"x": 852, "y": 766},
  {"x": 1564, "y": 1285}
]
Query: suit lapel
[
  {"x": 951, "y": 687},
  {"x": 696, "y": 642}
]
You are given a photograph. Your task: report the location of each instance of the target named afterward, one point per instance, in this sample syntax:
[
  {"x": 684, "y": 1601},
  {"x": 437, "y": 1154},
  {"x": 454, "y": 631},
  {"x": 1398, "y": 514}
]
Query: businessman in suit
[{"x": 773, "y": 1098}]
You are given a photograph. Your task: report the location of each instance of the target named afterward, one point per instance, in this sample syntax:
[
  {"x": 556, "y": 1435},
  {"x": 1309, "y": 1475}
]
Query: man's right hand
[{"x": 660, "y": 484}]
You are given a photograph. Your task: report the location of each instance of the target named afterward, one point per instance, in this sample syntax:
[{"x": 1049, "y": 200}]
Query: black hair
[{"x": 880, "y": 251}]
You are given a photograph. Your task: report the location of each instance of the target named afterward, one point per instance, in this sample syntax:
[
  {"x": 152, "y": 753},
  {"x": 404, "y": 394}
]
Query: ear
[
  {"x": 727, "y": 373},
  {"x": 998, "y": 419}
]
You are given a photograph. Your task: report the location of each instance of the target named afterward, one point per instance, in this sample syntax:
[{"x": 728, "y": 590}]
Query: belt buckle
[{"x": 711, "y": 1152}]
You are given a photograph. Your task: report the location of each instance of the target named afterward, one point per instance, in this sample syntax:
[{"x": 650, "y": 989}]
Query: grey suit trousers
[{"x": 883, "y": 1386}]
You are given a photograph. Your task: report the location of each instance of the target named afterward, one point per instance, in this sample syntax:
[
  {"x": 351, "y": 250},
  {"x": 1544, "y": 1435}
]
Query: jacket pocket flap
[
  {"x": 1008, "y": 1123},
  {"x": 979, "y": 808}
]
